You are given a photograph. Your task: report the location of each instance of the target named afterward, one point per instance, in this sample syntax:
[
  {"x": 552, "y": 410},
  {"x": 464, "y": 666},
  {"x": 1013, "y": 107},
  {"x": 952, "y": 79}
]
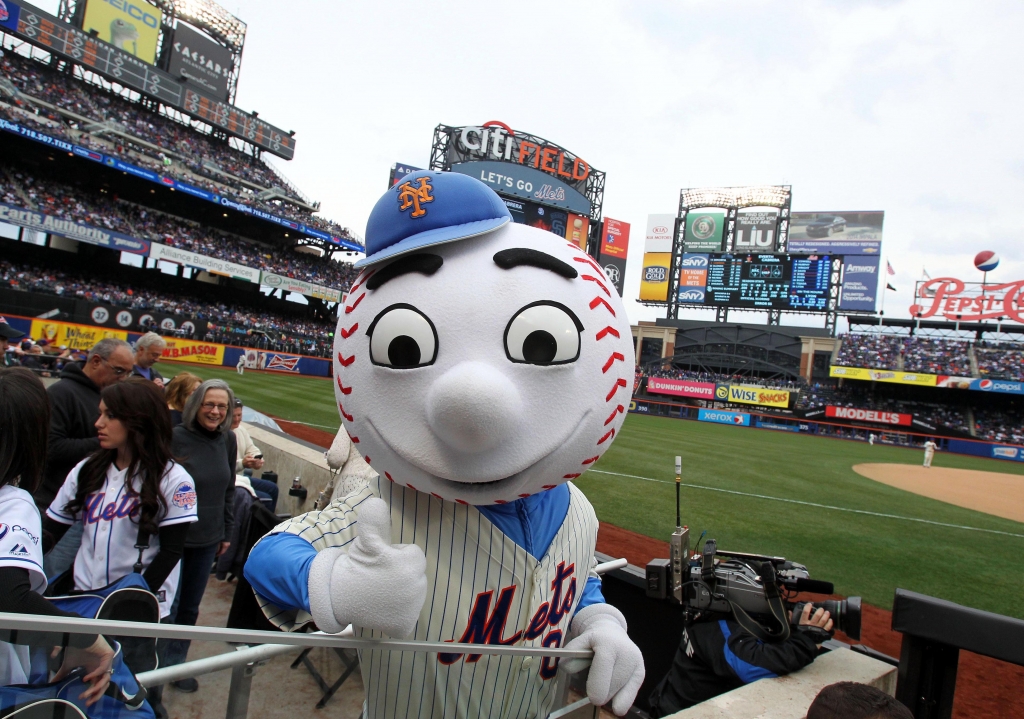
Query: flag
[
  {"x": 889, "y": 287},
  {"x": 889, "y": 269},
  {"x": 924, "y": 273}
]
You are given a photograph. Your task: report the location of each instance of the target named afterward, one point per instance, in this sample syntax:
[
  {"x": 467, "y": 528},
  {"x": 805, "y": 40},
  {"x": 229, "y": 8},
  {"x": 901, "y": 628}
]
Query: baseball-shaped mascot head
[{"x": 477, "y": 360}]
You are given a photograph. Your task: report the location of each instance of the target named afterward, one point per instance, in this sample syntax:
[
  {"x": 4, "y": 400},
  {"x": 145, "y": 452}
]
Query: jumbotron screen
[{"x": 774, "y": 282}]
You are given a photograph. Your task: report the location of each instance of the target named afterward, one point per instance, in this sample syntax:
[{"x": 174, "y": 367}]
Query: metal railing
[{"x": 256, "y": 647}]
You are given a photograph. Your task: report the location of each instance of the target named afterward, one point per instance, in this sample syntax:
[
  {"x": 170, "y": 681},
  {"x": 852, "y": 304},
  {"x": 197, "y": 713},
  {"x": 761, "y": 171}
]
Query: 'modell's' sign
[{"x": 959, "y": 301}]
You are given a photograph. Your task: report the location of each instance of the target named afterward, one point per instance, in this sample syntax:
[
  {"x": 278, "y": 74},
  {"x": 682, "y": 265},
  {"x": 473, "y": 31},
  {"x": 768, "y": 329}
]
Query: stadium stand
[
  {"x": 65, "y": 106},
  {"x": 98, "y": 208},
  {"x": 999, "y": 361},
  {"x": 229, "y": 323}
]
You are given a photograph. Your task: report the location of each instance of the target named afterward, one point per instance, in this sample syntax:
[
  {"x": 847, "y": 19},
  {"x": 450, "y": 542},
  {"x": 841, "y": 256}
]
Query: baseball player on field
[
  {"x": 929, "y": 452},
  {"x": 480, "y": 366}
]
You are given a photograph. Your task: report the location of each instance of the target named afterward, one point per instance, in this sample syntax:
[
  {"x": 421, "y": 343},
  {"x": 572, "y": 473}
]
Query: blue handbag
[{"x": 124, "y": 697}]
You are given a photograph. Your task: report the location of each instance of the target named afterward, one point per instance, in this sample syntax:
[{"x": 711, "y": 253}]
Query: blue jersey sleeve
[
  {"x": 278, "y": 570},
  {"x": 591, "y": 594}
]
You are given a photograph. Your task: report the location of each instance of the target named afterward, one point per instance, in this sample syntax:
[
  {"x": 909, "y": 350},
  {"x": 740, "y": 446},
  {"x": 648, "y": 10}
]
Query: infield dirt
[{"x": 995, "y": 493}]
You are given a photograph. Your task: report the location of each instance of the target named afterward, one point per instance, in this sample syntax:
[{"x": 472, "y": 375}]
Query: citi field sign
[
  {"x": 497, "y": 141},
  {"x": 960, "y": 301}
]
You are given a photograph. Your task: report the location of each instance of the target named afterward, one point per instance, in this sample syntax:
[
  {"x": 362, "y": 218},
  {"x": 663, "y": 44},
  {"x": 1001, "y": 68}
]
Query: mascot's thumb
[
  {"x": 373, "y": 526},
  {"x": 338, "y": 453}
]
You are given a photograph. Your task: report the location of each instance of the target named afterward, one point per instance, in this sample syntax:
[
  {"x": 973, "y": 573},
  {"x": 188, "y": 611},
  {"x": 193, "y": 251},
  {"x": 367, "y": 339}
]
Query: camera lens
[{"x": 845, "y": 614}]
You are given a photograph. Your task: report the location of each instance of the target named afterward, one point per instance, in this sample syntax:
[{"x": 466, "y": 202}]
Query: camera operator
[{"x": 718, "y": 656}]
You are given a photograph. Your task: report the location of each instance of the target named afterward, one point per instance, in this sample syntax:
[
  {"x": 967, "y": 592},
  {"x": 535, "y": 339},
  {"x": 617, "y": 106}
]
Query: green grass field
[{"x": 862, "y": 554}]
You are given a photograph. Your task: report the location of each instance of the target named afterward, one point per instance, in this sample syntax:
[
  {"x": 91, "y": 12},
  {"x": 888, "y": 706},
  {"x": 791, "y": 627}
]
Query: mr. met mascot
[{"x": 480, "y": 366}]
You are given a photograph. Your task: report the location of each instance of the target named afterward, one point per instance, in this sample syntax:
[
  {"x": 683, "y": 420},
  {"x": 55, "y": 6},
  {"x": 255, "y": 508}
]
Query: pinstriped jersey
[{"x": 481, "y": 588}]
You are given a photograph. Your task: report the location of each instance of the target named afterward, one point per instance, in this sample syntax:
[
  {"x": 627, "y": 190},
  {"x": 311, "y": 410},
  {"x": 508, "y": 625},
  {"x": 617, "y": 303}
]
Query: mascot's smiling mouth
[{"x": 474, "y": 490}]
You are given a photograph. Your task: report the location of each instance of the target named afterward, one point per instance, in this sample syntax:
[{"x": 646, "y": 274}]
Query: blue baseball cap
[{"x": 427, "y": 208}]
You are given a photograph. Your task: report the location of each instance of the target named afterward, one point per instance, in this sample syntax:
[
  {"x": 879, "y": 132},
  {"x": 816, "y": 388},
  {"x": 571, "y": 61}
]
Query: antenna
[{"x": 679, "y": 544}]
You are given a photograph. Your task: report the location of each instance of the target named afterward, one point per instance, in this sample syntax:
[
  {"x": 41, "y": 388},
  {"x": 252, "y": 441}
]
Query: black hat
[{"x": 8, "y": 332}]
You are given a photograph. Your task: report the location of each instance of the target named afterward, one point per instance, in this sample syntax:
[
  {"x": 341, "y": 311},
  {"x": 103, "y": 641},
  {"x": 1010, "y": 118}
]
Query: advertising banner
[
  {"x": 210, "y": 264},
  {"x": 72, "y": 230},
  {"x": 276, "y": 361},
  {"x": 756, "y": 229},
  {"x": 614, "y": 247},
  {"x": 289, "y": 284},
  {"x": 560, "y": 222},
  {"x": 986, "y": 449},
  {"x": 860, "y": 283},
  {"x": 181, "y": 350},
  {"x": 9, "y": 16},
  {"x": 129, "y": 25},
  {"x": 722, "y": 417},
  {"x": 525, "y": 183},
  {"x": 869, "y": 415},
  {"x": 136, "y": 320},
  {"x": 1001, "y": 386},
  {"x": 398, "y": 171},
  {"x": 693, "y": 271},
  {"x": 199, "y": 61},
  {"x": 681, "y": 387},
  {"x": 75, "y": 336},
  {"x": 744, "y": 394},
  {"x": 884, "y": 375},
  {"x": 836, "y": 233},
  {"x": 657, "y": 258},
  {"x": 703, "y": 230}
]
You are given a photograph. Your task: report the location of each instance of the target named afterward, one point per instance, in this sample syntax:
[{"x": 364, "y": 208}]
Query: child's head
[{"x": 850, "y": 700}]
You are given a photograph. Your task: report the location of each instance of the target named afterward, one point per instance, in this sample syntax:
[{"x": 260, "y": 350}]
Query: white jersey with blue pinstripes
[{"x": 482, "y": 588}]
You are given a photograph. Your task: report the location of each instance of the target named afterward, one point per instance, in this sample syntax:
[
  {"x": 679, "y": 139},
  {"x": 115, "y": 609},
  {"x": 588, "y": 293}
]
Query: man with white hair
[{"x": 148, "y": 350}]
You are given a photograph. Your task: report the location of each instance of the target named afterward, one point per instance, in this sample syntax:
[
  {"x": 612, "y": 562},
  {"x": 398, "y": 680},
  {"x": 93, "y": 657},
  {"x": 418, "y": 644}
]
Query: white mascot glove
[
  {"x": 617, "y": 670},
  {"x": 374, "y": 585}
]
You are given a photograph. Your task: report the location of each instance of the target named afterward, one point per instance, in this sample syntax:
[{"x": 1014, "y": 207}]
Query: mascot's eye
[
  {"x": 402, "y": 337},
  {"x": 543, "y": 333}
]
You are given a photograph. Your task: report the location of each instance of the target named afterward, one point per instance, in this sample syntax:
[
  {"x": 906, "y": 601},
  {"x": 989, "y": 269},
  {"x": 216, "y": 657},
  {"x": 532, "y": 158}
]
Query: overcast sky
[{"x": 909, "y": 107}]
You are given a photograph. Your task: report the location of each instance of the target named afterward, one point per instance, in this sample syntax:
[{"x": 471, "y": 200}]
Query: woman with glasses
[{"x": 206, "y": 448}]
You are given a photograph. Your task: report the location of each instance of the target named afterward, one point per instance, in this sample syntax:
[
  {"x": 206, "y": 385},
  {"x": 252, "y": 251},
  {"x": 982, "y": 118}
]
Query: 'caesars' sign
[
  {"x": 497, "y": 141},
  {"x": 969, "y": 302},
  {"x": 868, "y": 415}
]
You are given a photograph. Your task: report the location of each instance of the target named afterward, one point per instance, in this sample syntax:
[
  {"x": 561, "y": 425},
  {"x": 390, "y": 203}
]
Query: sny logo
[
  {"x": 415, "y": 196},
  {"x": 486, "y": 627}
]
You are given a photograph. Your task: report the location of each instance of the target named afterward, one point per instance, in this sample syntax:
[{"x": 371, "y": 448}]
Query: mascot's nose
[{"x": 473, "y": 407}]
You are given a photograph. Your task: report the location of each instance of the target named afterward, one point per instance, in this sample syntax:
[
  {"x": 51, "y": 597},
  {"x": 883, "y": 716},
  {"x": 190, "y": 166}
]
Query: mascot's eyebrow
[
  {"x": 422, "y": 262},
  {"x": 516, "y": 256}
]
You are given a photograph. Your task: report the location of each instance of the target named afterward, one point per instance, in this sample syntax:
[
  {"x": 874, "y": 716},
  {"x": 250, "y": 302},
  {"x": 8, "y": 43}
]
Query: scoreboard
[{"x": 756, "y": 281}]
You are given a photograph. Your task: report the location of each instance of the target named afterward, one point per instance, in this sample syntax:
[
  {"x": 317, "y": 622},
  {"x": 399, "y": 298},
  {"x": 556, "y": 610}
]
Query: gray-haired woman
[{"x": 205, "y": 446}]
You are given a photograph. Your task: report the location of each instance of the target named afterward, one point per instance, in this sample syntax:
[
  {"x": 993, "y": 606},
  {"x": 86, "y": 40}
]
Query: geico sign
[
  {"x": 136, "y": 12},
  {"x": 946, "y": 296},
  {"x": 498, "y": 141},
  {"x": 868, "y": 415}
]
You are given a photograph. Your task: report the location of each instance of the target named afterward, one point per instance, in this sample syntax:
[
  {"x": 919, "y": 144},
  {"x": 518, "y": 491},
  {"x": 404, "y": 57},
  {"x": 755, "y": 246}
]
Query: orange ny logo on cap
[{"x": 413, "y": 197}]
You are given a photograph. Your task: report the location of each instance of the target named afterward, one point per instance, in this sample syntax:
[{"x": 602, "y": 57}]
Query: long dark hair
[
  {"x": 24, "y": 428},
  {"x": 139, "y": 405}
]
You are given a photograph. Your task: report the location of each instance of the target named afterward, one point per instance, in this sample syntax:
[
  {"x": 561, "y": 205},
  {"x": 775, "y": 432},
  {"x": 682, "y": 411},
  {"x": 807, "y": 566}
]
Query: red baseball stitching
[
  {"x": 594, "y": 303},
  {"x": 355, "y": 304},
  {"x": 344, "y": 414},
  {"x": 599, "y": 283},
  {"x": 345, "y": 361},
  {"x": 411, "y": 487},
  {"x": 361, "y": 279},
  {"x": 367, "y": 458},
  {"x": 587, "y": 260},
  {"x": 355, "y": 440},
  {"x": 591, "y": 460},
  {"x": 608, "y": 365},
  {"x": 609, "y": 330},
  {"x": 345, "y": 334},
  {"x": 343, "y": 388},
  {"x": 570, "y": 476},
  {"x": 461, "y": 501},
  {"x": 618, "y": 383},
  {"x": 438, "y": 496},
  {"x": 523, "y": 496},
  {"x": 608, "y": 435},
  {"x": 388, "y": 475},
  {"x": 548, "y": 486},
  {"x": 618, "y": 410},
  {"x": 500, "y": 501}
]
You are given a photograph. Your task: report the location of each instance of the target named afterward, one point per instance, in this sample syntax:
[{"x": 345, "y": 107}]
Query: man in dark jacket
[
  {"x": 715, "y": 657},
  {"x": 75, "y": 407},
  {"x": 148, "y": 350}
]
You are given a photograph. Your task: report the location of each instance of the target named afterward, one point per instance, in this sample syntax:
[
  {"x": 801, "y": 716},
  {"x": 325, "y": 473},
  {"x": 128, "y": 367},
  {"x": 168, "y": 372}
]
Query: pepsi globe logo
[
  {"x": 986, "y": 261},
  {"x": 655, "y": 274},
  {"x": 985, "y": 384}
]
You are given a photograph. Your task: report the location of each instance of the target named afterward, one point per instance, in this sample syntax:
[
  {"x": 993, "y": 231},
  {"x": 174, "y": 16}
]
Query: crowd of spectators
[
  {"x": 102, "y": 210},
  {"x": 937, "y": 356},
  {"x": 231, "y": 324},
  {"x": 999, "y": 425},
  {"x": 872, "y": 351},
  {"x": 999, "y": 361},
  {"x": 820, "y": 395},
  {"x": 186, "y": 153}
]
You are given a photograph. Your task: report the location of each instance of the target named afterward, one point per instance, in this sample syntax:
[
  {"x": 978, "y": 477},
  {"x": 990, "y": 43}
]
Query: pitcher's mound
[{"x": 992, "y": 492}]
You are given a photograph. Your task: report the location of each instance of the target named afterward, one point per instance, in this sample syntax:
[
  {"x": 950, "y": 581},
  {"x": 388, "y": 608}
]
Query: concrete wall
[
  {"x": 291, "y": 458},
  {"x": 789, "y": 697}
]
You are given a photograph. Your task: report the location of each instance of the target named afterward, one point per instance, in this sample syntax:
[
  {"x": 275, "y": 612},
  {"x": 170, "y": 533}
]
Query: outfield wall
[
  {"x": 899, "y": 438},
  {"x": 83, "y": 336}
]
